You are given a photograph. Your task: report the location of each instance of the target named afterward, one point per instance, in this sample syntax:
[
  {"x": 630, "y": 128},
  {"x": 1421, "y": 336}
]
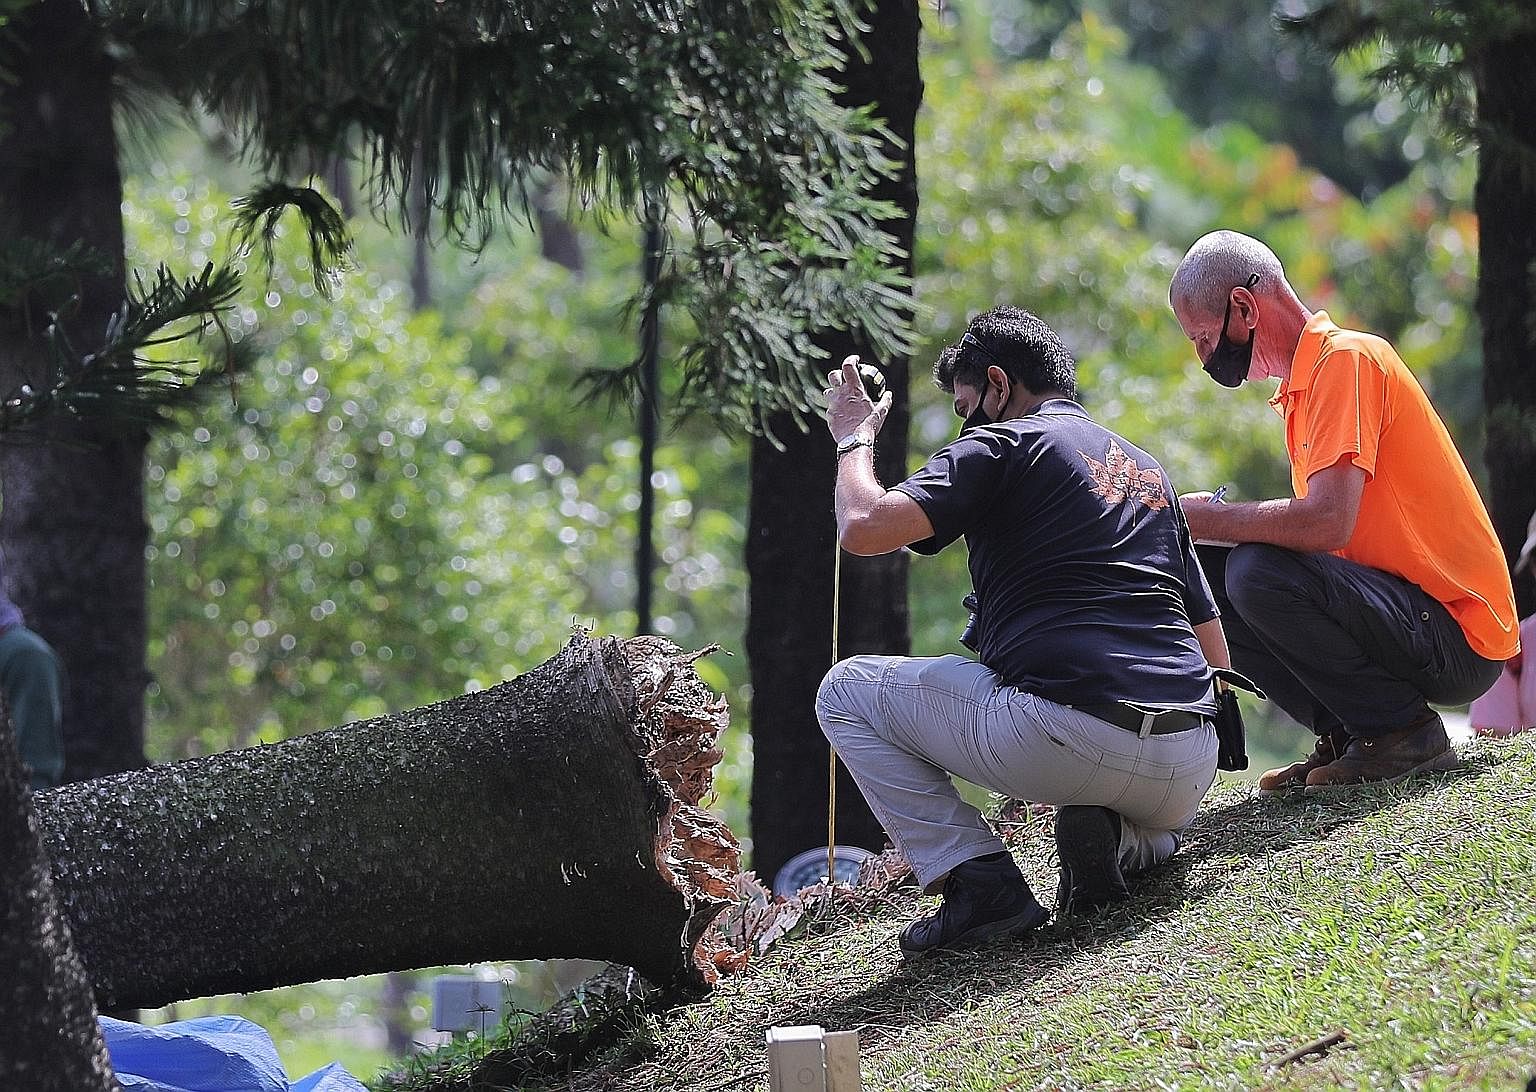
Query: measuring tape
[
  {"x": 874, "y": 386},
  {"x": 837, "y": 596}
]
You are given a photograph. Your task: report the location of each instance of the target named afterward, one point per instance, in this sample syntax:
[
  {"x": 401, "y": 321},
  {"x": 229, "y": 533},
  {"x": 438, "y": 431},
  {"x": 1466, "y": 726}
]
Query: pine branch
[
  {"x": 32, "y": 268},
  {"x": 125, "y": 381},
  {"x": 330, "y": 244},
  {"x": 729, "y": 106},
  {"x": 1428, "y": 49}
]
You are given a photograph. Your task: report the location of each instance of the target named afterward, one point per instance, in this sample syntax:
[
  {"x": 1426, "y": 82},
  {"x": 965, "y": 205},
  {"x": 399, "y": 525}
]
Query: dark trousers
[{"x": 1337, "y": 645}]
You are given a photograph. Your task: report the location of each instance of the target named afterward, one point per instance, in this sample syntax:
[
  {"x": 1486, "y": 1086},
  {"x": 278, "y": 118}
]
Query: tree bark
[
  {"x": 1505, "y": 200},
  {"x": 559, "y": 241},
  {"x": 790, "y": 532},
  {"x": 418, "y": 223},
  {"x": 72, "y": 526},
  {"x": 52, "y": 1042},
  {"x": 548, "y": 816}
]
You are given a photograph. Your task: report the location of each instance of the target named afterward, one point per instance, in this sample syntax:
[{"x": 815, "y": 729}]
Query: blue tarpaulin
[{"x": 209, "y": 1054}]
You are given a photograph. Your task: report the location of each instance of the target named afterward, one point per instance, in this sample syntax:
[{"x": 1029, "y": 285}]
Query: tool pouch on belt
[{"x": 1231, "y": 743}]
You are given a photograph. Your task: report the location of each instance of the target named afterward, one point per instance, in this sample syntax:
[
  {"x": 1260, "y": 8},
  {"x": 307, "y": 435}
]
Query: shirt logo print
[{"x": 1118, "y": 479}]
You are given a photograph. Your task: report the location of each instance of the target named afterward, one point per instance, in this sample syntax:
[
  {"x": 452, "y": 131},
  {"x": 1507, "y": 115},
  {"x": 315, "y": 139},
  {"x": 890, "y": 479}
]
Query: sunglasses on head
[{"x": 971, "y": 339}]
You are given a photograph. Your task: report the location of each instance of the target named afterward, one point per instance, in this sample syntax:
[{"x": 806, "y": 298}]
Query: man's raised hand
[{"x": 849, "y": 408}]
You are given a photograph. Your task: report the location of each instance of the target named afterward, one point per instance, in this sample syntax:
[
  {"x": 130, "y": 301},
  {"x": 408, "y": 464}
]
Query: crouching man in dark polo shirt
[{"x": 1096, "y": 637}]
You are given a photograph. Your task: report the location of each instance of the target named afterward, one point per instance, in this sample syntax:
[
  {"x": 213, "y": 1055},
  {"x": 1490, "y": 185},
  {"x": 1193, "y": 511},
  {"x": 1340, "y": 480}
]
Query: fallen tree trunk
[{"x": 548, "y": 816}]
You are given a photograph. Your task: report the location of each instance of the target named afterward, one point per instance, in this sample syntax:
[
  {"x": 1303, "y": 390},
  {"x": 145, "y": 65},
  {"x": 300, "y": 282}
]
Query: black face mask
[
  {"x": 1228, "y": 364},
  {"x": 978, "y": 416}
]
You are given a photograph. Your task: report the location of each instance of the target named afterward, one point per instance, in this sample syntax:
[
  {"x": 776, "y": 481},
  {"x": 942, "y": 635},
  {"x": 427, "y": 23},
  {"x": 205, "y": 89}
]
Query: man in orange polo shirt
[{"x": 1380, "y": 586}]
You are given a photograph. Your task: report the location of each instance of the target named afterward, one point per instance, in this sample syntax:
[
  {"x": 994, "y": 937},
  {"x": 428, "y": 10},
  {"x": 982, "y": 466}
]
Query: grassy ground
[{"x": 1399, "y": 919}]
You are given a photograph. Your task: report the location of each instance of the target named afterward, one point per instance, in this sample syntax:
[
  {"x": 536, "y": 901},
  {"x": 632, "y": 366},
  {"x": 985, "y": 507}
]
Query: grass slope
[{"x": 1401, "y": 917}]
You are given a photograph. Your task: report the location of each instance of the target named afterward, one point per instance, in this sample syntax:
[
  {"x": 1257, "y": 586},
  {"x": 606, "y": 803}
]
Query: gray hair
[{"x": 1220, "y": 262}]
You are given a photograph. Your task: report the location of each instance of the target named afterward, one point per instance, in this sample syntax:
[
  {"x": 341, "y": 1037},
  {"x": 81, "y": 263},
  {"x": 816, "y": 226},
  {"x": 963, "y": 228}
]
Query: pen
[{"x": 1221, "y": 491}]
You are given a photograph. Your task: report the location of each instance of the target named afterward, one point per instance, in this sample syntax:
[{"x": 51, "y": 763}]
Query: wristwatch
[{"x": 851, "y": 441}]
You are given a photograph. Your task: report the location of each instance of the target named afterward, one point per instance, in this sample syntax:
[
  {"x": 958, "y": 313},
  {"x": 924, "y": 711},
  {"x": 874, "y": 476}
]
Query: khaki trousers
[{"x": 903, "y": 725}]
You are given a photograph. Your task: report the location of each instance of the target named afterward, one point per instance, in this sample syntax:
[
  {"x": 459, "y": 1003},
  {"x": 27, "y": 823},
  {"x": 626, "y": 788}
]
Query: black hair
[
  {"x": 944, "y": 368},
  {"x": 1020, "y": 343}
]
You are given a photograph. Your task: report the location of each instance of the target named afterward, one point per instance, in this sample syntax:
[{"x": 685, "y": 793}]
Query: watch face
[{"x": 810, "y": 868}]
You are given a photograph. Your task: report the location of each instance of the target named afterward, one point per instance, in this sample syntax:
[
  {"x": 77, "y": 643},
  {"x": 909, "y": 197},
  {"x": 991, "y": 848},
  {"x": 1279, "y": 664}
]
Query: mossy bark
[{"x": 525, "y": 821}]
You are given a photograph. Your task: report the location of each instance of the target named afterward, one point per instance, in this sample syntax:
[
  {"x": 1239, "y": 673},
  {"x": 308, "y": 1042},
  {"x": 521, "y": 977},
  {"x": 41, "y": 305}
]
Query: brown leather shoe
[
  {"x": 1284, "y": 778},
  {"x": 1387, "y": 759}
]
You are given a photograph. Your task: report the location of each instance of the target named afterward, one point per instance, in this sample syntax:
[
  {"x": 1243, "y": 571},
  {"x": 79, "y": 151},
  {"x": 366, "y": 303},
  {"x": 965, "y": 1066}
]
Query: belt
[{"x": 1158, "y": 722}]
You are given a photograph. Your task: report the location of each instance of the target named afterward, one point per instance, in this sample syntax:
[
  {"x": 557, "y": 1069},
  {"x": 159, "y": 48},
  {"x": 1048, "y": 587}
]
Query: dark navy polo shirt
[{"x": 1080, "y": 558}]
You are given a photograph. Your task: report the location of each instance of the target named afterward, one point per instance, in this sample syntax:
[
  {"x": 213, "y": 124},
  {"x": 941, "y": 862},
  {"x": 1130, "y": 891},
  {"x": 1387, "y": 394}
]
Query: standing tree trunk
[
  {"x": 72, "y": 525},
  {"x": 1506, "y": 303},
  {"x": 548, "y": 816},
  {"x": 559, "y": 241},
  {"x": 51, "y": 1042},
  {"x": 420, "y": 221},
  {"x": 790, "y": 532}
]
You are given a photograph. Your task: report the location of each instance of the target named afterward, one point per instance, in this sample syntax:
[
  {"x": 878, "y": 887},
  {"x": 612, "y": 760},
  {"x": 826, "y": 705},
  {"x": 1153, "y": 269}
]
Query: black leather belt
[{"x": 1163, "y": 722}]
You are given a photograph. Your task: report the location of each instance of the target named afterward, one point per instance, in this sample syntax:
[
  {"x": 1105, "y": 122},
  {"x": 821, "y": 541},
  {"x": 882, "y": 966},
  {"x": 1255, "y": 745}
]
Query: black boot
[
  {"x": 1088, "y": 846},
  {"x": 983, "y": 898}
]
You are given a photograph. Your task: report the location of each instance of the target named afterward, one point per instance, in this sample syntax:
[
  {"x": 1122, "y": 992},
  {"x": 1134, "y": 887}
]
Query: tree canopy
[{"x": 721, "y": 117}]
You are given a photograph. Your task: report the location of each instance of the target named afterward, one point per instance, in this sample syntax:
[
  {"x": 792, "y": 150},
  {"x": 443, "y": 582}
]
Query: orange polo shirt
[{"x": 1349, "y": 394}]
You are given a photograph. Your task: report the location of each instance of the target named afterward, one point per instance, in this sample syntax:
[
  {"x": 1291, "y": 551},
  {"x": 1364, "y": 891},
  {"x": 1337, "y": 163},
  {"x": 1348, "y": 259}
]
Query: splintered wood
[{"x": 683, "y": 720}]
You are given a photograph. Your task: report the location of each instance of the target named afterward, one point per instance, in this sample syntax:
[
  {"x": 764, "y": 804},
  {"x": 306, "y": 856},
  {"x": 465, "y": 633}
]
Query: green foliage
[
  {"x": 728, "y": 107},
  {"x": 349, "y": 540},
  {"x": 1226, "y": 63},
  {"x": 126, "y": 379},
  {"x": 1428, "y": 51},
  {"x": 30, "y": 266},
  {"x": 258, "y": 213},
  {"x": 1070, "y": 186},
  {"x": 1235, "y": 65},
  {"x": 546, "y": 329}
]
